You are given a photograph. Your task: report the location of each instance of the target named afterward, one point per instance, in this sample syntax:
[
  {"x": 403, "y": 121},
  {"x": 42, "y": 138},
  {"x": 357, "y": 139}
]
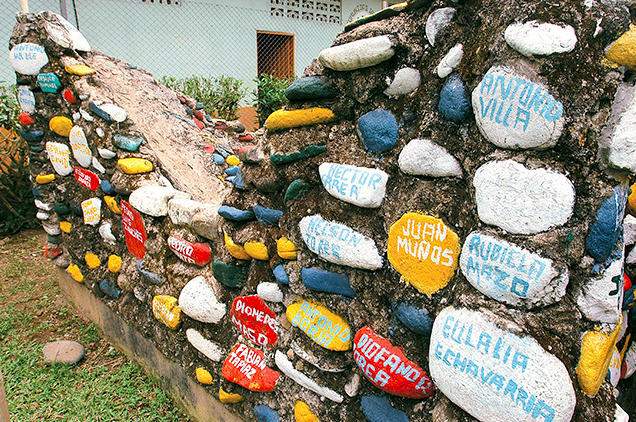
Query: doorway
[{"x": 275, "y": 54}]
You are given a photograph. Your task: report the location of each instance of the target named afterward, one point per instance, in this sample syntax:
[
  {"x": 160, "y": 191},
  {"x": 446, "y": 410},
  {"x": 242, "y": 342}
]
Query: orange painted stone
[
  {"x": 246, "y": 367},
  {"x": 192, "y": 253},
  {"x": 254, "y": 320},
  {"x": 424, "y": 251}
]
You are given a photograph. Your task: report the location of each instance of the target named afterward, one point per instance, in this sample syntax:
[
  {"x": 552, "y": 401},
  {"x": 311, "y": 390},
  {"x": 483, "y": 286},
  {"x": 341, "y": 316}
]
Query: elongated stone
[
  {"x": 153, "y": 200},
  {"x": 596, "y": 354},
  {"x": 210, "y": 349},
  {"x": 326, "y": 281},
  {"x": 438, "y": 20},
  {"x": 358, "y": 54},
  {"x": 321, "y": 325},
  {"x": 286, "y": 119},
  {"x": 309, "y": 88},
  {"x": 149, "y": 276},
  {"x": 423, "y": 157},
  {"x": 308, "y": 152},
  {"x": 135, "y": 165},
  {"x": 79, "y": 70},
  {"x": 415, "y": 318},
  {"x": 606, "y": 230},
  {"x": 134, "y": 229},
  {"x": 361, "y": 186},
  {"x": 536, "y": 38},
  {"x": 288, "y": 369},
  {"x": 192, "y": 253},
  {"x": 198, "y": 301},
  {"x": 450, "y": 61},
  {"x": 382, "y": 14},
  {"x": 267, "y": 216},
  {"x": 619, "y": 132},
  {"x": 128, "y": 143},
  {"x": 379, "y": 409},
  {"x": 246, "y": 367},
  {"x": 26, "y": 99},
  {"x": 235, "y": 214},
  {"x": 254, "y": 320}
]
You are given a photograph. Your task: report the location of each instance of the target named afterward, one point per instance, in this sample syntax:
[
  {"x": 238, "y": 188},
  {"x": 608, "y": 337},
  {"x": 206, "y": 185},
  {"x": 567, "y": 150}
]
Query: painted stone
[
  {"x": 28, "y": 58},
  {"x": 308, "y": 152},
  {"x": 229, "y": 275},
  {"x": 280, "y": 274},
  {"x": 49, "y": 82},
  {"x": 151, "y": 277},
  {"x": 267, "y": 216},
  {"x": 51, "y": 251},
  {"x": 204, "y": 376},
  {"x": 308, "y": 355},
  {"x": 59, "y": 156},
  {"x": 522, "y": 201},
  {"x": 232, "y": 170},
  {"x": 414, "y": 318},
  {"x": 265, "y": 413},
  {"x": 252, "y": 155},
  {"x": 218, "y": 158},
  {"x": 79, "y": 70},
  {"x": 110, "y": 289},
  {"x": 111, "y": 203},
  {"x": 114, "y": 263},
  {"x": 303, "y": 380},
  {"x": 390, "y": 370},
  {"x": 209, "y": 349},
  {"x": 61, "y": 125},
  {"x": 405, "y": 81},
  {"x": 235, "y": 214},
  {"x": 596, "y": 354},
  {"x": 286, "y": 249},
  {"x": 294, "y": 191},
  {"x": 134, "y": 165},
  {"x": 381, "y": 14},
  {"x": 423, "y": 157},
  {"x": 236, "y": 250},
  {"x": 192, "y": 253},
  {"x": 450, "y": 61},
  {"x": 63, "y": 33},
  {"x": 26, "y": 99},
  {"x": 514, "y": 111},
  {"x": 495, "y": 374},
  {"x": 269, "y": 292},
  {"x": 86, "y": 178},
  {"x": 166, "y": 310},
  {"x": 63, "y": 352},
  {"x": 379, "y": 409},
  {"x": 358, "y": 54},
  {"x": 378, "y": 130},
  {"x": 310, "y": 88},
  {"x": 92, "y": 261},
  {"x": 321, "y": 325},
  {"x": 256, "y": 250},
  {"x": 32, "y": 136},
  {"x": 285, "y": 119},
  {"x": 75, "y": 273},
  {"x": 86, "y": 116},
  {"x": 153, "y": 200},
  {"x": 254, "y": 320},
  {"x": 198, "y": 301},
  {"x": 43, "y": 179},
  {"x": 91, "y": 208},
  {"x": 454, "y": 101},
  {"x": 427, "y": 264},
  {"x": 246, "y": 367},
  {"x": 229, "y": 398},
  {"x": 608, "y": 226},
  {"x": 51, "y": 228},
  {"x": 302, "y": 413},
  {"x": 128, "y": 143},
  {"x": 69, "y": 97},
  {"x": 618, "y": 132},
  {"x": 25, "y": 119},
  {"x": 181, "y": 210},
  {"x": 361, "y": 186},
  {"x": 438, "y": 20},
  {"x": 630, "y": 361},
  {"x": 622, "y": 50},
  {"x": 41, "y": 215},
  {"x": 106, "y": 154},
  {"x": 134, "y": 230},
  {"x": 326, "y": 281},
  {"x": 614, "y": 369},
  {"x": 98, "y": 166},
  {"x": 536, "y": 38},
  {"x": 601, "y": 297},
  {"x": 232, "y": 160},
  {"x": 511, "y": 274}
]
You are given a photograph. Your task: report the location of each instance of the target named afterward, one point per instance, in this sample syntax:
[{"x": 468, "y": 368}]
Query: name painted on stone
[
  {"x": 166, "y": 310},
  {"x": 254, "y": 320},
  {"x": 360, "y": 186},
  {"x": 26, "y": 99},
  {"x": 91, "y": 208},
  {"x": 86, "y": 178},
  {"x": 246, "y": 366},
  {"x": 320, "y": 324},
  {"x": 79, "y": 145},
  {"x": 59, "y": 156},
  {"x": 192, "y": 253},
  {"x": 28, "y": 58},
  {"x": 49, "y": 82},
  {"x": 134, "y": 230}
]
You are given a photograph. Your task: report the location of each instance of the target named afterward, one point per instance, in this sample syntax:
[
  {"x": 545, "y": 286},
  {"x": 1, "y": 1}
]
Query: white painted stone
[
  {"x": 361, "y": 186},
  {"x": 601, "y": 298},
  {"x": 406, "y": 80},
  {"x": 620, "y": 415},
  {"x": 303, "y": 380},
  {"x": 105, "y": 231},
  {"x": 153, "y": 200},
  {"x": 92, "y": 210},
  {"x": 51, "y": 228},
  {"x": 181, "y": 210},
  {"x": 106, "y": 153},
  {"x": 511, "y": 274},
  {"x": 76, "y": 116},
  {"x": 164, "y": 181},
  {"x": 624, "y": 325},
  {"x": 269, "y": 291},
  {"x": 352, "y": 387},
  {"x": 117, "y": 113},
  {"x": 41, "y": 215},
  {"x": 438, "y": 20},
  {"x": 619, "y": 133},
  {"x": 339, "y": 244},
  {"x": 540, "y": 39},
  {"x": 629, "y": 229},
  {"x": 631, "y": 258},
  {"x": 515, "y": 111},
  {"x": 423, "y": 157},
  {"x": 482, "y": 369},
  {"x": 86, "y": 116},
  {"x": 211, "y": 350},
  {"x": 79, "y": 145},
  {"x": 26, "y": 99},
  {"x": 308, "y": 356},
  {"x": 522, "y": 201},
  {"x": 43, "y": 206},
  {"x": 100, "y": 132},
  {"x": 358, "y": 54},
  {"x": 28, "y": 58},
  {"x": 198, "y": 301},
  {"x": 59, "y": 156},
  {"x": 78, "y": 41},
  {"x": 98, "y": 166},
  {"x": 614, "y": 370},
  {"x": 630, "y": 360},
  {"x": 450, "y": 61}
]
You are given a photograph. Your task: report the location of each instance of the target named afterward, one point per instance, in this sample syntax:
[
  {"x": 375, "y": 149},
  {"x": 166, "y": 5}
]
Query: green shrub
[
  {"x": 9, "y": 109},
  {"x": 269, "y": 95}
]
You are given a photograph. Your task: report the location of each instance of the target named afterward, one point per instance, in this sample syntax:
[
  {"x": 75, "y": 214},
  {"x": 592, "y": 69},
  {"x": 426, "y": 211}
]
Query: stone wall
[{"x": 438, "y": 228}]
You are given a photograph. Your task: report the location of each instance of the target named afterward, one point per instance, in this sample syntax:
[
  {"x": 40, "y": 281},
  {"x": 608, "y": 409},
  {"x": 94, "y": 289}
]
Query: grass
[{"x": 105, "y": 386}]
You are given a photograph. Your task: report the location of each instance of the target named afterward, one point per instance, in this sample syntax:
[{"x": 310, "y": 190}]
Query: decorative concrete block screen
[{"x": 438, "y": 228}]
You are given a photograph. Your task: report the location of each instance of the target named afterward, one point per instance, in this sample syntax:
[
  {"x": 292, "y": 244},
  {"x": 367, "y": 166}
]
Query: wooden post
[
  {"x": 4, "y": 410},
  {"x": 25, "y": 5}
]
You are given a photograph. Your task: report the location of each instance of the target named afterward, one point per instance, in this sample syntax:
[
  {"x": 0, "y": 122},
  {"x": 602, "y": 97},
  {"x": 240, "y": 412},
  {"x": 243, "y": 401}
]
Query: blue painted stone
[
  {"x": 36, "y": 192},
  {"x": 232, "y": 170},
  {"x": 49, "y": 82},
  {"x": 605, "y": 232},
  {"x": 454, "y": 101},
  {"x": 239, "y": 182},
  {"x": 415, "y": 319},
  {"x": 188, "y": 110},
  {"x": 218, "y": 158},
  {"x": 107, "y": 188},
  {"x": 267, "y": 215},
  {"x": 265, "y": 414},
  {"x": 379, "y": 130},
  {"x": 199, "y": 106},
  {"x": 379, "y": 409},
  {"x": 235, "y": 214},
  {"x": 629, "y": 299},
  {"x": 222, "y": 151},
  {"x": 129, "y": 143},
  {"x": 309, "y": 88},
  {"x": 32, "y": 136},
  {"x": 280, "y": 274},
  {"x": 154, "y": 278},
  {"x": 98, "y": 111},
  {"x": 326, "y": 281},
  {"x": 109, "y": 289}
]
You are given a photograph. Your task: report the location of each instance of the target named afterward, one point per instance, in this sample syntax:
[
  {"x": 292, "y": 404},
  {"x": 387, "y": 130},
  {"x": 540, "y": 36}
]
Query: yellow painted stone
[
  {"x": 65, "y": 226},
  {"x": 229, "y": 397},
  {"x": 256, "y": 250},
  {"x": 333, "y": 333},
  {"x": 43, "y": 179},
  {"x": 631, "y": 200},
  {"x": 204, "y": 376},
  {"x": 232, "y": 160},
  {"x": 623, "y": 51},
  {"x": 286, "y": 248},
  {"x": 112, "y": 205},
  {"x": 237, "y": 251},
  {"x": 134, "y": 165},
  {"x": 114, "y": 263},
  {"x": 285, "y": 119},
  {"x": 92, "y": 261},
  {"x": 424, "y": 251},
  {"x": 61, "y": 125},
  {"x": 596, "y": 355},
  {"x": 75, "y": 272},
  {"x": 79, "y": 69},
  {"x": 302, "y": 413},
  {"x": 166, "y": 310}
]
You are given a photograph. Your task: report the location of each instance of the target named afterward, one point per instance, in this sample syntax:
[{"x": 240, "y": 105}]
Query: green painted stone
[
  {"x": 49, "y": 82},
  {"x": 61, "y": 209},
  {"x": 377, "y": 16},
  {"x": 310, "y": 151},
  {"x": 295, "y": 190},
  {"x": 310, "y": 88},
  {"x": 54, "y": 239},
  {"x": 230, "y": 275}
]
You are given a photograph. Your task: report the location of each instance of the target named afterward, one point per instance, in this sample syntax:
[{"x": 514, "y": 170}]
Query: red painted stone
[
  {"x": 254, "y": 320},
  {"x": 199, "y": 123},
  {"x": 244, "y": 149},
  {"x": 68, "y": 96},
  {"x": 245, "y": 138},
  {"x": 387, "y": 368},
  {"x": 183, "y": 100},
  {"x": 192, "y": 253},
  {"x": 198, "y": 114},
  {"x": 51, "y": 251},
  {"x": 209, "y": 148},
  {"x": 133, "y": 230},
  {"x": 86, "y": 178},
  {"x": 627, "y": 283},
  {"x": 26, "y": 119},
  {"x": 246, "y": 367},
  {"x": 220, "y": 126}
]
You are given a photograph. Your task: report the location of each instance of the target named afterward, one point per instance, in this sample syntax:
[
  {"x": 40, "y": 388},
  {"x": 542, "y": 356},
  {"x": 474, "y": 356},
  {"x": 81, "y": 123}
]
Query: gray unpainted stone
[{"x": 63, "y": 351}]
